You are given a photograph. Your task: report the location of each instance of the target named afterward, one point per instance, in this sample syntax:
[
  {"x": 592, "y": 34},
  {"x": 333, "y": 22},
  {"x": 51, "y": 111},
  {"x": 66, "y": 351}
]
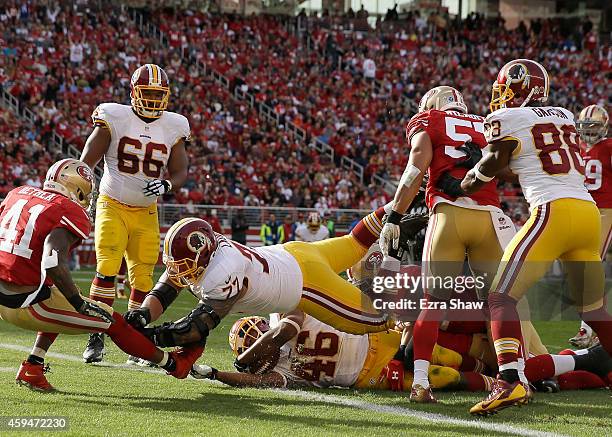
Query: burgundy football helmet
[
  {"x": 188, "y": 247},
  {"x": 518, "y": 83},
  {"x": 149, "y": 91},
  {"x": 245, "y": 332}
]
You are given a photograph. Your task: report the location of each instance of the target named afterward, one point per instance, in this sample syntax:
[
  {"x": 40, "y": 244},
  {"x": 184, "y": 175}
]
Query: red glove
[{"x": 395, "y": 375}]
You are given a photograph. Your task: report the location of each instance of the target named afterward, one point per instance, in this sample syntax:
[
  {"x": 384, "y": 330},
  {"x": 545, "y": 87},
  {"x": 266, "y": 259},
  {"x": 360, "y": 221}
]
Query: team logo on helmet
[
  {"x": 518, "y": 73},
  {"x": 197, "y": 241},
  {"x": 85, "y": 173}
]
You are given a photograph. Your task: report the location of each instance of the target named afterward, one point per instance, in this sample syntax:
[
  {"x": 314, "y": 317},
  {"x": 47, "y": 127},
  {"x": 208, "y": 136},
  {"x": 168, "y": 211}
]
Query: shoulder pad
[
  {"x": 419, "y": 122},
  {"x": 505, "y": 122},
  {"x": 180, "y": 124},
  {"x": 106, "y": 113}
]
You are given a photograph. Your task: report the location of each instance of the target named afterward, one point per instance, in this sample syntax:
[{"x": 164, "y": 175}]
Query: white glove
[
  {"x": 157, "y": 187},
  {"x": 203, "y": 372},
  {"x": 389, "y": 238}
]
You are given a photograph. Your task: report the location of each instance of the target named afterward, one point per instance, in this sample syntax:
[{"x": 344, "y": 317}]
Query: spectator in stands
[
  {"x": 213, "y": 220},
  {"x": 356, "y": 220},
  {"x": 239, "y": 227},
  {"x": 288, "y": 228},
  {"x": 331, "y": 225},
  {"x": 272, "y": 232}
]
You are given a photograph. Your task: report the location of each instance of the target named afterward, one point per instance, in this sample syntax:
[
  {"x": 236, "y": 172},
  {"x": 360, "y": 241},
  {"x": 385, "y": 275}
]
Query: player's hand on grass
[
  {"x": 90, "y": 309},
  {"x": 157, "y": 187},
  {"x": 202, "y": 371},
  {"x": 138, "y": 318}
]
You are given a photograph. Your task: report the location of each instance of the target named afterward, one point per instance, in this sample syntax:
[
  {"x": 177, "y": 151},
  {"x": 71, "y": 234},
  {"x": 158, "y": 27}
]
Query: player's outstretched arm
[
  {"x": 96, "y": 146},
  {"x": 489, "y": 166},
  {"x": 56, "y": 252},
  {"x": 270, "y": 343},
  {"x": 237, "y": 379},
  {"x": 410, "y": 182}
]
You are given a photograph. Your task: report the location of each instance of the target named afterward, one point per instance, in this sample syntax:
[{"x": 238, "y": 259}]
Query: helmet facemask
[
  {"x": 150, "y": 101},
  {"x": 185, "y": 272},
  {"x": 245, "y": 332}
]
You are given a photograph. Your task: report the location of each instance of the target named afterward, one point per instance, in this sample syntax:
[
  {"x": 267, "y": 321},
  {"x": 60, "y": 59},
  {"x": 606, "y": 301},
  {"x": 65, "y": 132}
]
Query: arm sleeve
[{"x": 75, "y": 220}]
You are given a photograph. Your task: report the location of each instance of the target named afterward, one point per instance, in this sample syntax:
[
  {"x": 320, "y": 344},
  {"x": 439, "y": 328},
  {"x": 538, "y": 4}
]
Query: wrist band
[
  {"x": 291, "y": 322},
  {"x": 394, "y": 217},
  {"x": 482, "y": 177}
]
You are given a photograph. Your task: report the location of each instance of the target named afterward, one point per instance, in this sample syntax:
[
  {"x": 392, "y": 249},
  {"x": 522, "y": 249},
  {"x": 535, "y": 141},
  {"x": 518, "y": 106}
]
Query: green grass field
[{"x": 102, "y": 400}]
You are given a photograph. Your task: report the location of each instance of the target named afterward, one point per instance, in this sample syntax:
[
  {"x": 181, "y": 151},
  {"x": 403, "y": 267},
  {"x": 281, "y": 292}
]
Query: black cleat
[{"x": 94, "y": 352}]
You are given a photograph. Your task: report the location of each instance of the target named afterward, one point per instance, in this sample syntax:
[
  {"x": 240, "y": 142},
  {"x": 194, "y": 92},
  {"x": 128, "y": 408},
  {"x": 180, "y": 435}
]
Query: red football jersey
[
  {"x": 27, "y": 216},
  {"x": 449, "y": 130},
  {"x": 598, "y": 171}
]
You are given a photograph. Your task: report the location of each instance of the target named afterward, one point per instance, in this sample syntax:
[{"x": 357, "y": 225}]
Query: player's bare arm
[
  {"x": 270, "y": 343},
  {"x": 57, "y": 250},
  {"x": 96, "y": 146},
  {"x": 237, "y": 379},
  {"x": 489, "y": 166},
  {"x": 178, "y": 164},
  {"x": 418, "y": 162}
]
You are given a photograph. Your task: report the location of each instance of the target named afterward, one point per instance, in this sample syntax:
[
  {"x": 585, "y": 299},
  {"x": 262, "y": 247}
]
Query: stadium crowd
[{"x": 347, "y": 89}]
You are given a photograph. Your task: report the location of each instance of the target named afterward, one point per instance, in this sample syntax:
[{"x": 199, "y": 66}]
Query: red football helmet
[
  {"x": 188, "y": 247},
  {"x": 149, "y": 91},
  {"x": 518, "y": 83}
]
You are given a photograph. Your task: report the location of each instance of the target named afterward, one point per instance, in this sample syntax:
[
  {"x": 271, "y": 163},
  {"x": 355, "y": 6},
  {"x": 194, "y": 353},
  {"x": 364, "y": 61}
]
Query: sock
[
  {"x": 587, "y": 328},
  {"x": 563, "y": 363},
  {"x": 507, "y": 335},
  {"x": 477, "y": 382},
  {"x": 540, "y": 367},
  {"x": 579, "y": 379},
  {"x": 137, "y": 297},
  {"x": 521, "y": 370},
  {"x": 425, "y": 333},
  {"x": 601, "y": 322},
  {"x": 37, "y": 356},
  {"x": 421, "y": 371},
  {"x": 367, "y": 231},
  {"x": 35, "y": 359},
  {"x": 103, "y": 289},
  {"x": 131, "y": 341},
  {"x": 168, "y": 363}
]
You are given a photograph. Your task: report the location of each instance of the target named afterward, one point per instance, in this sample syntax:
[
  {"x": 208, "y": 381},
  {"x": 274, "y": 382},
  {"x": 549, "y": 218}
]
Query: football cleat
[
  {"x": 94, "y": 352},
  {"x": 120, "y": 293},
  {"x": 33, "y": 376},
  {"x": 503, "y": 395},
  {"x": 136, "y": 361},
  {"x": 185, "y": 358},
  {"x": 422, "y": 395},
  {"x": 583, "y": 339}
]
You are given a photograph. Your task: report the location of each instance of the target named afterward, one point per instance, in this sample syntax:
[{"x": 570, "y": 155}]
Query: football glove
[
  {"x": 202, "y": 371},
  {"x": 473, "y": 153},
  {"x": 395, "y": 375},
  {"x": 450, "y": 185},
  {"x": 90, "y": 309},
  {"x": 157, "y": 187},
  {"x": 390, "y": 234},
  {"x": 138, "y": 318}
]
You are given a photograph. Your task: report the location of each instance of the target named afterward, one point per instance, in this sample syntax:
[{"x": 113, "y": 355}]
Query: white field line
[{"x": 333, "y": 399}]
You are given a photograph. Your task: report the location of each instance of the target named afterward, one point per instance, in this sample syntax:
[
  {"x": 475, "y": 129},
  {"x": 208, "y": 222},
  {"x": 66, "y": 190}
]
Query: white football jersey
[
  {"x": 303, "y": 233},
  {"x": 322, "y": 356},
  {"x": 271, "y": 274},
  {"x": 547, "y": 160},
  {"x": 138, "y": 151}
]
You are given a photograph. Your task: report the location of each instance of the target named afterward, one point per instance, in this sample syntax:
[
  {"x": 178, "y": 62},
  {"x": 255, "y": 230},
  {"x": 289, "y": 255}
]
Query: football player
[
  {"x": 312, "y": 230},
  {"x": 140, "y": 143},
  {"x": 540, "y": 145},
  {"x": 445, "y": 141},
  {"x": 302, "y": 351},
  {"x": 228, "y": 277},
  {"x": 38, "y": 229},
  {"x": 592, "y": 126}
]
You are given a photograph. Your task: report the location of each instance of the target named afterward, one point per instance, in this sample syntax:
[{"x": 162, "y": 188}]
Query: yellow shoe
[
  {"x": 422, "y": 395},
  {"x": 503, "y": 395}
]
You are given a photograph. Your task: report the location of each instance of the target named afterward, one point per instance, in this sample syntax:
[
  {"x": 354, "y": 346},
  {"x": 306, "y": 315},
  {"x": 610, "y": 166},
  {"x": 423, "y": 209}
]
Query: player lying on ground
[
  {"x": 540, "y": 146},
  {"x": 302, "y": 351},
  {"x": 38, "y": 229},
  {"x": 228, "y": 277}
]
